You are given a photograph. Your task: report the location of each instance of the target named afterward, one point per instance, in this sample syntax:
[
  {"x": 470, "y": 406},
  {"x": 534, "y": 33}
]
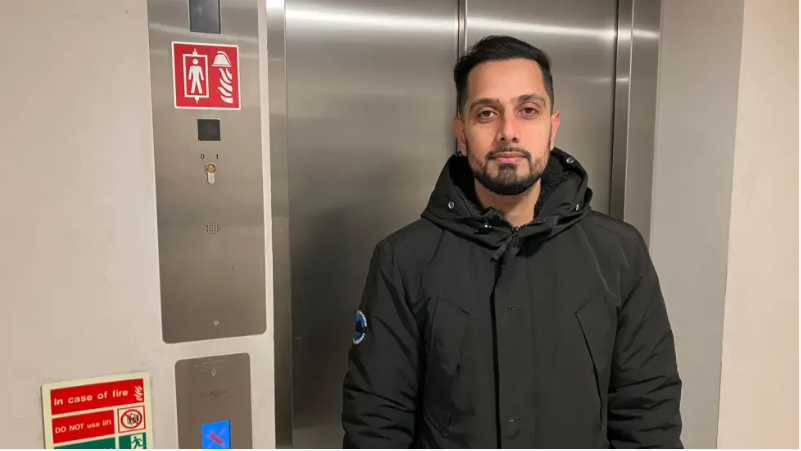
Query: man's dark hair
[{"x": 499, "y": 48}]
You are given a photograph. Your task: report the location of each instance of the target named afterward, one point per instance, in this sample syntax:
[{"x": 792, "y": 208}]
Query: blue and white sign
[{"x": 216, "y": 435}]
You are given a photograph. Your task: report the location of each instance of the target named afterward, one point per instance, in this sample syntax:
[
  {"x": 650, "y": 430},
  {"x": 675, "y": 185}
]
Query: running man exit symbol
[
  {"x": 216, "y": 435},
  {"x": 138, "y": 441},
  {"x": 133, "y": 441}
]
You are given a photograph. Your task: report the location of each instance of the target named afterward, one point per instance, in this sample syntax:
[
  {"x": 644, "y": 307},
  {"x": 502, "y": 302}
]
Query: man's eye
[
  {"x": 486, "y": 114},
  {"x": 528, "y": 111}
]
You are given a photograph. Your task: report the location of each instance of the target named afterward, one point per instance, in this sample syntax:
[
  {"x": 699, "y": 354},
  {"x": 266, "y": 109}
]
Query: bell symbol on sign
[{"x": 222, "y": 62}]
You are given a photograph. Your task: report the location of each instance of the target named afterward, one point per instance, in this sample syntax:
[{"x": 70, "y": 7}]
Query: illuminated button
[{"x": 211, "y": 169}]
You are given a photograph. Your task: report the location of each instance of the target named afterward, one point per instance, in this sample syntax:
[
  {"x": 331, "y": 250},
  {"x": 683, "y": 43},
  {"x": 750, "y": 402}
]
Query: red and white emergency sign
[
  {"x": 206, "y": 76},
  {"x": 103, "y": 411}
]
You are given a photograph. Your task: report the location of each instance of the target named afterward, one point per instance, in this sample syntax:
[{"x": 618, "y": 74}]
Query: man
[{"x": 511, "y": 315}]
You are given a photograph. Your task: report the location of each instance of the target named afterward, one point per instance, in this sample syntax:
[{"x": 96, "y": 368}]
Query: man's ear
[
  {"x": 555, "y": 118},
  {"x": 458, "y": 132}
]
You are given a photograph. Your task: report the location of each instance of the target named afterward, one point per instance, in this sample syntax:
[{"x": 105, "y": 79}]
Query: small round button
[
  {"x": 450, "y": 205},
  {"x": 570, "y": 160}
]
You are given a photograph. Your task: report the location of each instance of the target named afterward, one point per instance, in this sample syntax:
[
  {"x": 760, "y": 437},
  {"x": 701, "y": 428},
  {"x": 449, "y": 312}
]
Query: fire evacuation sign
[{"x": 102, "y": 413}]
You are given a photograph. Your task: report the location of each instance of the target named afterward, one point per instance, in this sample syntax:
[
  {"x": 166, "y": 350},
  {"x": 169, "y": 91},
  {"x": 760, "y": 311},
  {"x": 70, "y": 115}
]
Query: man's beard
[{"x": 506, "y": 182}]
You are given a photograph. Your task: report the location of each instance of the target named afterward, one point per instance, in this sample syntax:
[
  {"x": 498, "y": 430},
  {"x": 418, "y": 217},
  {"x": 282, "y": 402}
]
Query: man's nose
[{"x": 508, "y": 131}]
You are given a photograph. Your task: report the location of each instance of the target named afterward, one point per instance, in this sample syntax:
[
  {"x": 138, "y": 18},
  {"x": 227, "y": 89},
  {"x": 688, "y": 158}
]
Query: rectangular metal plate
[
  {"x": 213, "y": 401},
  {"x": 211, "y": 226}
]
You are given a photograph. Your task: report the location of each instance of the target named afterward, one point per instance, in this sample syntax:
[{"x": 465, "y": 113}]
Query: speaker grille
[{"x": 213, "y": 228}]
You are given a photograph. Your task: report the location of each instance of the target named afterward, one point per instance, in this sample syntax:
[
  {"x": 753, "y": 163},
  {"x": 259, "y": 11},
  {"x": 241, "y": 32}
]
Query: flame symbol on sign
[
  {"x": 139, "y": 393},
  {"x": 226, "y": 90}
]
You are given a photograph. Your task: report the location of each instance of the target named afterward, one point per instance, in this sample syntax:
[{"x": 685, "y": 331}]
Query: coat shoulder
[
  {"x": 415, "y": 244},
  {"x": 609, "y": 229}
]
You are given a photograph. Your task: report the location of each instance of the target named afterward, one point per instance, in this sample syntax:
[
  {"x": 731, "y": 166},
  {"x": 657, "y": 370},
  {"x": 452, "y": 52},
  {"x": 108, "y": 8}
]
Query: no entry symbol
[{"x": 132, "y": 419}]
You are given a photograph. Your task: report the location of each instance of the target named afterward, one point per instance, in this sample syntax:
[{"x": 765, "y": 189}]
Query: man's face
[{"x": 507, "y": 129}]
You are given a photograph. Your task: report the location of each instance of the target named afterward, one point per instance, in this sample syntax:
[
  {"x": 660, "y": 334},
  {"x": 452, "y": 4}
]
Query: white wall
[
  {"x": 759, "y": 384},
  {"x": 725, "y": 215},
  {"x": 696, "y": 120},
  {"x": 79, "y": 268}
]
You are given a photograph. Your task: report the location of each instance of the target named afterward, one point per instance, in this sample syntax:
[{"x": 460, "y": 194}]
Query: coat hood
[{"x": 564, "y": 200}]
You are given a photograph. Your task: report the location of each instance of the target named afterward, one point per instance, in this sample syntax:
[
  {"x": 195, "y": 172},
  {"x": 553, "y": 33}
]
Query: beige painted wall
[
  {"x": 699, "y": 66},
  {"x": 80, "y": 276},
  {"x": 759, "y": 381},
  {"x": 79, "y": 267}
]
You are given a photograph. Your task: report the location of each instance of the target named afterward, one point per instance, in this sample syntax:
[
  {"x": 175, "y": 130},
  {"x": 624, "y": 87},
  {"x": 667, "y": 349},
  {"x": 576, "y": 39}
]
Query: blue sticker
[
  {"x": 360, "y": 329},
  {"x": 216, "y": 435}
]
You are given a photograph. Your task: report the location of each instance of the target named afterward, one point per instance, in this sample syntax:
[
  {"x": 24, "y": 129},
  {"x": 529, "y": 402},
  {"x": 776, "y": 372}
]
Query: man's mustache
[{"x": 495, "y": 152}]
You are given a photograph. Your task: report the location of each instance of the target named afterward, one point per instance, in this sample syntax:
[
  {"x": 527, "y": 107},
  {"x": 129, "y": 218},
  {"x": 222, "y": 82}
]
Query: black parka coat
[{"x": 472, "y": 333}]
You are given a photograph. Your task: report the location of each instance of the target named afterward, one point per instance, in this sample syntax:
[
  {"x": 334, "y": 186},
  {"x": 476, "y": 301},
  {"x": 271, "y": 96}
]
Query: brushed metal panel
[
  {"x": 211, "y": 237},
  {"x": 462, "y": 37},
  {"x": 361, "y": 101},
  {"x": 213, "y": 389},
  {"x": 641, "y": 141},
  {"x": 580, "y": 38},
  {"x": 282, "y": 298},
  {"x": 370, "y": 104},
  {"x": 620, "y": 141},
  {"x": 635, "y": 112}
]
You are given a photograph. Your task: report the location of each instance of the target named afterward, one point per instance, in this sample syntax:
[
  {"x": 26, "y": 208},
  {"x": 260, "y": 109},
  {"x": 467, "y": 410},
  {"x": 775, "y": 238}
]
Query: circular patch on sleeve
[{"x": 360, "y": 328}]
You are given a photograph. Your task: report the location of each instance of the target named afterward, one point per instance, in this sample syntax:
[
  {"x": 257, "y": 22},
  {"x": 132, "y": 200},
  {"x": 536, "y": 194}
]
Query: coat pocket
[
  {"x": 598, "y": 325},
  {"x": 444, "y": 350}
]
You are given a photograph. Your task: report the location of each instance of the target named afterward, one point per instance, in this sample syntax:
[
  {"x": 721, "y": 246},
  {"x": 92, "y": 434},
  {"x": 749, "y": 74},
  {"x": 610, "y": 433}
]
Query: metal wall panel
[
  {"x": 214, "y": 390},
  {"x": 370, "y": 105},
  {"x": 279, "y": 202},
  {"x": 580, "y": 37},
  {"x": 635, "y": 112},
  {"x": 361, "y": 102},
  {"x": 211, "y": 236}
]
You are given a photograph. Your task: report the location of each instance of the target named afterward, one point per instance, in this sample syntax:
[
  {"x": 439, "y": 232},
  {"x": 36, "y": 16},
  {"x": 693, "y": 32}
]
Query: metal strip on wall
[
  {"x": 462, "y": 36},
  {"x": 635, "y": 112},
  {"x": 617, "y": 195},
  {"x": 461, "y": 47},
  {"x": 279, "y": 173}
]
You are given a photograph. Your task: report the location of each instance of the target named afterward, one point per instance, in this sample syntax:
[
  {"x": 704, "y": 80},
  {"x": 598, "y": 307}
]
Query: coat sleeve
[
  {"x": 380, "y": 390},
  {"x": 645, "y": 388}
]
